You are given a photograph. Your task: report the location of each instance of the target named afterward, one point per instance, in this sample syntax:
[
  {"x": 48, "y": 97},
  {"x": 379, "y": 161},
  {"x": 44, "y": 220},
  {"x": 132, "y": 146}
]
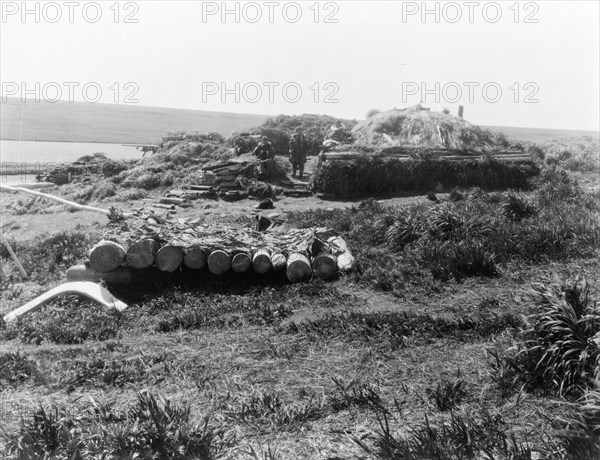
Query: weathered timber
[
  {"x": 195, "y": 258},
  {"x": 169, "y": 258},
  {"x": 142, "y": 253},
  {"x": 120, "y": 275},
  {"x": 241, "y": 262},
  {"x": 298, "y": 268},
  {"x": 106, "y": 256},
  {"x": 325, "y": 266},
  {"x": 219, "y": 262},
  {"x": 279, "y": 262},
  {"x": 345, "y": 259},
  {"x": 261, "y": 262}
]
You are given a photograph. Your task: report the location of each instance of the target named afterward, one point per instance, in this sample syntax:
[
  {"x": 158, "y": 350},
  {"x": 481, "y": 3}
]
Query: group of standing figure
[{"x": 298, "y": 151}]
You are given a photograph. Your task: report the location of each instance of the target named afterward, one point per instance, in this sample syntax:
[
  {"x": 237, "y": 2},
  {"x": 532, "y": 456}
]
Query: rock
[{"x": 265, "y": 204}]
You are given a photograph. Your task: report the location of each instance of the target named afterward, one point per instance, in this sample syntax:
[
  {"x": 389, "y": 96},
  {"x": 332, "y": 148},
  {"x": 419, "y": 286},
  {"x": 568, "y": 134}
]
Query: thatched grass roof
[{"x": 419, "y": 127}]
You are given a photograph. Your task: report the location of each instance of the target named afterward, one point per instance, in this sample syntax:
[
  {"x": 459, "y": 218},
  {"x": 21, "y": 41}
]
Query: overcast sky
[{"x": 357, "y": 55}]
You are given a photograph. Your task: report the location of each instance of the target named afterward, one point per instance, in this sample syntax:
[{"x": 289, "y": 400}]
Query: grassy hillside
[
  {"x": 540, "y": 135},
  {"x": 111, "y": 123}
]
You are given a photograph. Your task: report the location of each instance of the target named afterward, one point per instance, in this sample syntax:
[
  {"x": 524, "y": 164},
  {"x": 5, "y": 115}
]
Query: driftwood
[
  {"x": 142, "y": 253},
  {"x": 121, "y": 275},
  {"x": 106, "y": 256},
  {"x": 195, "y": 258},
  {"x": 325, "y": 266},
  {"x": 279, "y": 262},
  {"x": 89, "y": 290},
  {"x": 241, "y": 262},
  {"x": 298, "y": 268},
  {"x": 261, "y": 262},
  {"x": 219, "y": 262},
  {"x": 345, "y": 259},
  {"x": 169, "y": 258}
]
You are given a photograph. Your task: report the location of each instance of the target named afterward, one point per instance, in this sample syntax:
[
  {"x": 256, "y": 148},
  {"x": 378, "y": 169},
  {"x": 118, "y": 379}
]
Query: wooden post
[
  {"x": 13, "y": 256},
  {"x": 461, "y": 111}
]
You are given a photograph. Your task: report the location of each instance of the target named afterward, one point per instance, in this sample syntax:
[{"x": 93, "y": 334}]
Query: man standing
[{"x": 298, "y": 151}]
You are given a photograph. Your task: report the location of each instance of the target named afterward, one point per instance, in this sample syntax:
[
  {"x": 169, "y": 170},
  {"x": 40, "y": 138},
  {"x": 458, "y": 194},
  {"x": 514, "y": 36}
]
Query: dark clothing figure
[
  {"x": 264, "y": 151},
  {"x": 298, "y": 152}
]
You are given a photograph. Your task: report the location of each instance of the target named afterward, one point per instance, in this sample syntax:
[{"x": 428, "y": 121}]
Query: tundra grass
[{"x": 389, "y": 362}]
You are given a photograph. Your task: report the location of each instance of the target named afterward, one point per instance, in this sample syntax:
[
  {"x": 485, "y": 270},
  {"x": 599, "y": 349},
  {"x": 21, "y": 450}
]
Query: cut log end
[
  {"x": 325, "y": 266},
  {"x": 298, "y": 268},
  {"x": 261, "y": 263},
  {"x": 169, "y": 258},
  {"x": 142, "y": 254},
  {"x": 195, "y": 258},
  {"x": 279, "y": 262},
  {"x": 219, "y": 262},
  {"x": 106, "y": 256},
  {"x": 241, "y": 262}
]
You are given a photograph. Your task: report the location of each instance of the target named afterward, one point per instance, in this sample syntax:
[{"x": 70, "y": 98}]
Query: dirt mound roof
[{"x": 419, "y": 127}]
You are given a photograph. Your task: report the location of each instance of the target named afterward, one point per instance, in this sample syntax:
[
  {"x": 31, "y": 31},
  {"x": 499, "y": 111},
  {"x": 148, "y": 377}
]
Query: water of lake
[{"x": 32, "y": 152}]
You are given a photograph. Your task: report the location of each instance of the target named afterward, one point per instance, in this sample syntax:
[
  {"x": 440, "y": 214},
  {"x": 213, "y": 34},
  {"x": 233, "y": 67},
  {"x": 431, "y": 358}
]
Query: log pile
[{"x": 170, "y": 246}]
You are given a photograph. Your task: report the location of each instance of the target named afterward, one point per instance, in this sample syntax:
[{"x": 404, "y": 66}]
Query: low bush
[
  {"x": 67, "y": 321},
  {"x": 560, "y": 352},
  {"x": 46, "y": 256},
  {"x": 16, "y": 368},
  {"x": 152, "y": 427}
]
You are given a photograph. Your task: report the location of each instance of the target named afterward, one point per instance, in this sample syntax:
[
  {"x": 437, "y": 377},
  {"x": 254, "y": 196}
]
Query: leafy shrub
[
  {"x": 468, "y": 436},
  {"x": 561, "y": 351},
  {"x": 407, "y": 228},
  {"x": 460, "y": 259},
  {"x": 447, "y": 395},
  {"x": 153, "y": 427},
  {"x": 46, "y": 256},
  {"x": 15, "y": 368},
  {"x": 112, "y": 168},
  {"x": 104, "y": 189},
  {"x": 67, "y": 321},
  {"x": 517, "y": 207}
]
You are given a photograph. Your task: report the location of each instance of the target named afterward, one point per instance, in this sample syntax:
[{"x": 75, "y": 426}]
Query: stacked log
[
  {"x": 195, "y": 258},
  {"x": 106, "y": 256},
  {"x": 261, "y": 262},
  {"x": 241, "y": 262},
  {"x": 169, "y": 258},
  {"x": 170, "y": 246},
  {"x": 298, "y": 268},
  {"x": 345, "y": 259},
  {"x": 142, "y": 254},
  {"x": 219, "y": 262}
]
